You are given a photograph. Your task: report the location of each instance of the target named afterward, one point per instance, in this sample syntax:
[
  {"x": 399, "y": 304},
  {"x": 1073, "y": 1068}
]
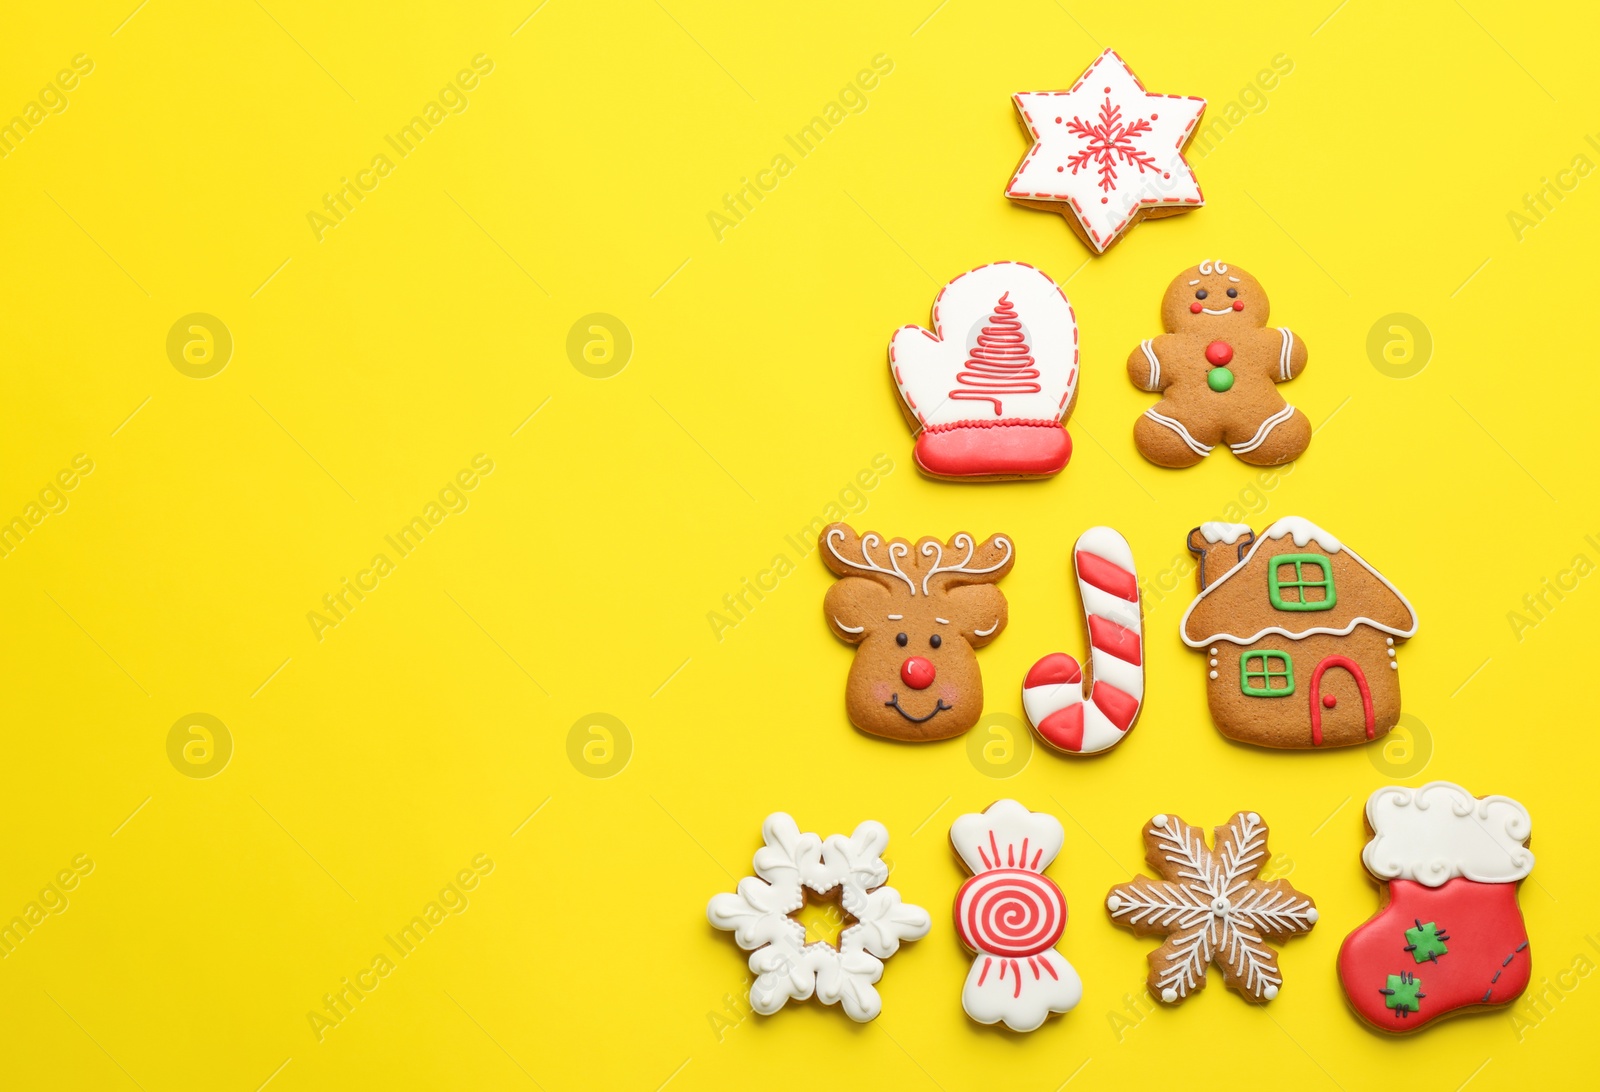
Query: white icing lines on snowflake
[{"x": 1211, "y": 906}]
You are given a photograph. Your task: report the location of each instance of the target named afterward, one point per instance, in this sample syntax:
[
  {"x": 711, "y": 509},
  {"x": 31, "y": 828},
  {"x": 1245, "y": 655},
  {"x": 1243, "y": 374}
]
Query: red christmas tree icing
[{"x": 1001, "y": 363}]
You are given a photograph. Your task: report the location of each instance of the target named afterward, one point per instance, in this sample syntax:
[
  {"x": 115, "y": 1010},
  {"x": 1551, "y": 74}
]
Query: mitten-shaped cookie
[{"x": 1217, "y": 368}]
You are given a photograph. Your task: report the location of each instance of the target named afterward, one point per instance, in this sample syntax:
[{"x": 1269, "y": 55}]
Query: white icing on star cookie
[
  {"x": 759, "y": 916},
  {"x": 1107, "y": 152}
]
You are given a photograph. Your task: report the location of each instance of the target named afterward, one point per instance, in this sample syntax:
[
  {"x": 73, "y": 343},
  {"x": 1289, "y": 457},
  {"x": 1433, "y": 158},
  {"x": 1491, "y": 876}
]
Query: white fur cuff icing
[{"x": 1440, "y": 831}]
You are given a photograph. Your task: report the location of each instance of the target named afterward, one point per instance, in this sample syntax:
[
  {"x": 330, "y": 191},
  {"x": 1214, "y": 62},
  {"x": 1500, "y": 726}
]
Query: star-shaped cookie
[{"x": 1107, "y": 153}]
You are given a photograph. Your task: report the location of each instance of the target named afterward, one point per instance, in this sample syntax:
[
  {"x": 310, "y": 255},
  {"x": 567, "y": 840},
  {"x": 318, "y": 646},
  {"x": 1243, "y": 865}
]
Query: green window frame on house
[
  {"x": 1276, "y": 586},
  {"x": 1274, "y": 666}
]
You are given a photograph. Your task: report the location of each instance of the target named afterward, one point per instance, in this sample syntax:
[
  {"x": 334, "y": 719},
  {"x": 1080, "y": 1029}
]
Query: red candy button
[
  {"x": 917, "y": 673},
  {"x": 1238, "y": 305},
  {"x": 1219, "y": 353},
  {"x": 1195, "y": 308},
  {"x": 1329, "y": 701}
]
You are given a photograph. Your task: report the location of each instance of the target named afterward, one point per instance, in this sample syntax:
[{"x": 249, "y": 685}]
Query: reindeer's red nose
[{"x": 917, "y": 673}]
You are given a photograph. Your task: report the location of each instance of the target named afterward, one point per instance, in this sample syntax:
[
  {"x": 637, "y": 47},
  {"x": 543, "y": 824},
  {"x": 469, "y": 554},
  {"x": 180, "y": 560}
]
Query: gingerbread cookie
[
  {"x": 987, "y": 390},
  {"x": 1450, "y": 936},
  {"x": 1217, "y": 368},
  {"x": 1009, "y": 915},
  {"x": 1299, "y": 634},
  {"x": 1053, "y": 694},
  {"x": 1106, "y": 153},
  {"x": 760, "y": 916},
  {"x": 916, "y": 614},
  {"x": 1210, "y": 905}
]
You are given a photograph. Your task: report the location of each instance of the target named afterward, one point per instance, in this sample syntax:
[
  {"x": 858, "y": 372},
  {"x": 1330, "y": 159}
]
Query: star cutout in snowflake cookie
[
  {"x": 1107, "y": 153},
  {"x": 1211, "y": 906},
  {"x": 761, "y": 917}
]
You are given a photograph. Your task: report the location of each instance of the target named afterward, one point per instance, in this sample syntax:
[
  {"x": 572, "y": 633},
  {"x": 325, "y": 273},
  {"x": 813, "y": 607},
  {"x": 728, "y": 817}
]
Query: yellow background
[{"x": 372, "y": 765}]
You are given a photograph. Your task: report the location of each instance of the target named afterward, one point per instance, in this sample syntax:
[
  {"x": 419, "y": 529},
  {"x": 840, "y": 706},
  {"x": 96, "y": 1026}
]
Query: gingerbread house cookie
[{"x": 1299, "y": 634}]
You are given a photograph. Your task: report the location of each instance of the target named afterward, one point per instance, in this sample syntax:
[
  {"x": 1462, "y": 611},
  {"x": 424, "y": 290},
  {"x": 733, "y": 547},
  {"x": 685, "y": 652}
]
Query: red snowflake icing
[{"x": 1108, "y": 142}]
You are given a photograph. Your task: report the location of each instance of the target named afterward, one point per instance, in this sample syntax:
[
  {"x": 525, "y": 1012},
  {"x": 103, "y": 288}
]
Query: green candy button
[{"x": 1219, "y": 379}]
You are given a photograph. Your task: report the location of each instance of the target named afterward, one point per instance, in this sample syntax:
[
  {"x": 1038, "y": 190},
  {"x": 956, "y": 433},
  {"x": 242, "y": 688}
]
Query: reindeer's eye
[
  {"x": 1200, "y": 293},
  {"x": 1233, "y": 293},
  {"x": 901, "y": 639},
  {"x": 936, "y": 640}
]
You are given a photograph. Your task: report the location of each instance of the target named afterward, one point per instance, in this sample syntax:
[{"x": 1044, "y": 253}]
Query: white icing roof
[
  {"x": 1440, "y": 831},
  {"x": 1304, "y": 531},
  {"x": 1224, "y": 532}
]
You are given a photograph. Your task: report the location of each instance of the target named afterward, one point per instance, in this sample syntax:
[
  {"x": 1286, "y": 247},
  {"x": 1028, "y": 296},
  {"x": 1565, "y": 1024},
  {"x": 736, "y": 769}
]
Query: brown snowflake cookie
[
  {"x": 1211, "y": 906},
  {"x": 1217, "y": 368},
  {"x": 916, "y": 612},
  {"x": 1300, "y": 636}
]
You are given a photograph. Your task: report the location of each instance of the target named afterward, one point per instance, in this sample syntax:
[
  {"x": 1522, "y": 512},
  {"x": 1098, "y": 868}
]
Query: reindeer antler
[
  {"x": 897, "y": 549},
  {"x": 932, "y": 548},
  {"x": 929, "y": 549}
]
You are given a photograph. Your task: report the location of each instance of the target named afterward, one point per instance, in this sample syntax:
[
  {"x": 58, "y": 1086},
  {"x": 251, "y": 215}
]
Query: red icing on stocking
[{"x": 1467, "y": 946}]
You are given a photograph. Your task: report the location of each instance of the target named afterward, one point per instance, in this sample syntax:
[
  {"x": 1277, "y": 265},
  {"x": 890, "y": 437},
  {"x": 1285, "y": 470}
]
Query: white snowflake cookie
[
  {"x": 1010, "y": 916},
  {"x": 760, "y": 917},
  {"x": 1107, "y": 153},
  {"x": 1211, "y": 906}
]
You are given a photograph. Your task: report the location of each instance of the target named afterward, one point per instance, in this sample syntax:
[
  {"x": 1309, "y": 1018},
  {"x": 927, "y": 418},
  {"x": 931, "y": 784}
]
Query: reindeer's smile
[{"x": 938, "y": 707}]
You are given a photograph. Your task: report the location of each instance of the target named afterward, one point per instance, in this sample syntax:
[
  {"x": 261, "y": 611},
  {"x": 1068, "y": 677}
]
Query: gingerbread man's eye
[
  {"x": 901, "y": 639},
  {"x": 935, "y": 640},
  {"x": 1232, "y": 292},
  {"x": 1200, "y": 293}
]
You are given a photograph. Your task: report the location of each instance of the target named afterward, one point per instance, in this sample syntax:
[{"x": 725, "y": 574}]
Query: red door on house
[{"x": 1320, "y": 701}]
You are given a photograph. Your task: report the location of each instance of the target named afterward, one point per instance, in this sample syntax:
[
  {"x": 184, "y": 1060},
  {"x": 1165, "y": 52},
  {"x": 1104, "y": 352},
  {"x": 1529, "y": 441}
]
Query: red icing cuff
[{"x": 975, "y": 449}]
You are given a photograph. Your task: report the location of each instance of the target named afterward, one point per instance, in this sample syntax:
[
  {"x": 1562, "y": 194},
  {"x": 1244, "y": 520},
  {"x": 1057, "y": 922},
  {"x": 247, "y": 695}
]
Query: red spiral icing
[
  {"x": 1010, "y": 912},
  {"x": 1001, "y": 363}
]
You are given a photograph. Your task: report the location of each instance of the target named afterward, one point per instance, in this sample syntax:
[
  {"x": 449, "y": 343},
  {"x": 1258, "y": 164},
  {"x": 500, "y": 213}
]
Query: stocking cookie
[
  {"x": 1009, "y": 915},
  {"x": 988, "y": 389},
  {"x": 1053, "y": 694},
  {"x": 1106, "y": 153},
  {"x": 760, "y": 916},
  {"x": 915, "y": 613},
  {"x": 1299, "y": 634},
  {"x": 1210, "y": 906},
  {"x": 1217, "y": 368},
  {"x": 1450, "y": 936}
]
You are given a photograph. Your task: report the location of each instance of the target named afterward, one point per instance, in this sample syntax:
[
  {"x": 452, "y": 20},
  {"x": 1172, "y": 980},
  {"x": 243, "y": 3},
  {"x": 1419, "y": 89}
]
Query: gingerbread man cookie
[{"x": 1217, "y": 368}]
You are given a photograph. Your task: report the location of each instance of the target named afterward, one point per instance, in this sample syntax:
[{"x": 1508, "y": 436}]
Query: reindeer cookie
[
  {"x": 1217, "y": 368},
  {"x": 916, "y": 614}
]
